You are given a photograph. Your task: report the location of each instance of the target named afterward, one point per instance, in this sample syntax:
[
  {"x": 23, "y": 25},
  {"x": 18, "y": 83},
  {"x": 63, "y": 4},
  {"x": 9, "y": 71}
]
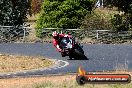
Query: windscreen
[{"x": 65, "y": 41}]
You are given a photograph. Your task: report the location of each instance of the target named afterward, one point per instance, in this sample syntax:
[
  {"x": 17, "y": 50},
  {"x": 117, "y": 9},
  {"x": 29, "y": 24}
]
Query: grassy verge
[
  {"x": 64, "y": 81},
  {"x": 73, "y": 84},
  {"x": 11, "y": 63}
]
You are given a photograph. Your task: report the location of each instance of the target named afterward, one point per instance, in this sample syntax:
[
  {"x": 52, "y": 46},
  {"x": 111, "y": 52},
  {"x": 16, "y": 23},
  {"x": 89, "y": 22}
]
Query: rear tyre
[
  {"x": 79, "y": 52},
  {"x": 70, "y": 57},
  {"x": 80, "y": 49}
]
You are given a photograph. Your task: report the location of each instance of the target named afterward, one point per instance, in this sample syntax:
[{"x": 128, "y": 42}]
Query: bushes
[
  {"x": 97, "y": 20},
  {"x": 13, "y": 12},
  {"x": 5, "y": 12},
  {"x": 104, "y": 19},
  {"x": 122, "y": 22},
  {"x": 77, "y": 14},
  {"x": 63, "y": 13}
]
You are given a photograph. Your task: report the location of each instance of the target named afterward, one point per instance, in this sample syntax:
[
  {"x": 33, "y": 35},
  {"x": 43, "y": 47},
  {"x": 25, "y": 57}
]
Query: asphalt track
[{"x": 100, "y": 57}]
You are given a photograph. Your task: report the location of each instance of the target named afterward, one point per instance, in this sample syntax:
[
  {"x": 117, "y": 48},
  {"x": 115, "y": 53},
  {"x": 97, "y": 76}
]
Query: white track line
[{"x": 66, "y": 63}]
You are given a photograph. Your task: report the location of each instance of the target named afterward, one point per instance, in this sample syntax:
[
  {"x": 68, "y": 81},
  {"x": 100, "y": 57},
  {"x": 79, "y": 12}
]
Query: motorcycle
[{"x": 71, "y": 48}]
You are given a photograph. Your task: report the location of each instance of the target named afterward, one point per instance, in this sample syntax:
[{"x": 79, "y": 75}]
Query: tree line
[{"x": 60, "y": 13}]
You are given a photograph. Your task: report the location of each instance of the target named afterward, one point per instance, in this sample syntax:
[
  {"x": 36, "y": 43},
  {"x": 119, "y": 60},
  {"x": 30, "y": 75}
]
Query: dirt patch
[{"x": 11, "y": 63}]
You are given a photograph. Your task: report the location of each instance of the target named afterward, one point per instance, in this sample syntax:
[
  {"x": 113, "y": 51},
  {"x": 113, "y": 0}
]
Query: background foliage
[
  {"x": 122, "y": 22},
  {"x": 95, "y": 21},
  {"x": 13, "y": 12},
  {"x": 36, "y": 6},
  {"x": 63, "y": 13}
]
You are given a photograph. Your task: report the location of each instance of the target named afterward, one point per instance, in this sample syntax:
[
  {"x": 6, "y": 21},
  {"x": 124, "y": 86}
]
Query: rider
[{"x": 56, "y": 41}]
